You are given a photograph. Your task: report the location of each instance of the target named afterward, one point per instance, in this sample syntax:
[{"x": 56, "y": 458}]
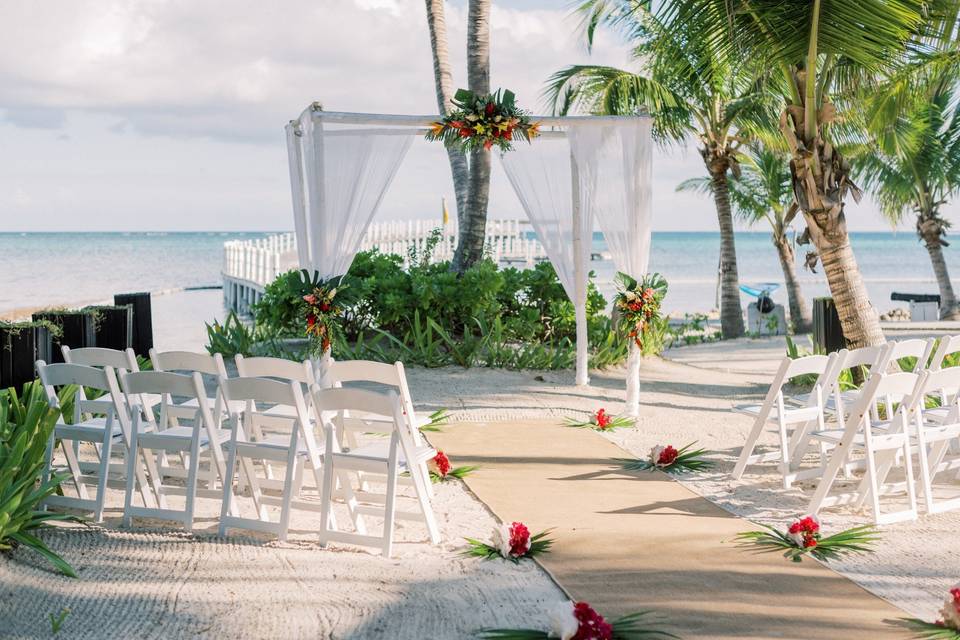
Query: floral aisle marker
[
  {"x": 511, "y": 542},
  {"x": 602, "y": 421},
  {"x": 947, "y": 628},
  {"x": 670, "y": 459},
  {"x": 580, "y": 621},
  {"x": 441, "y": 470},
  {"x": 803, "y": 537},
  {"x": 484, "y": 121}
]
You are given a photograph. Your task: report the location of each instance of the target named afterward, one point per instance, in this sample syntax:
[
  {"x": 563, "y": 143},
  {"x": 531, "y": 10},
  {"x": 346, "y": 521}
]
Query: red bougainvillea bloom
[
  {"x": 311, "y": 320},
  {"x": 667, "y": 456},
  {"x": 519, "y": 539},
  {"x": 440, "y": 464},
  {"x": 602, "y": 419},
  {"x": 489, "y": 109},
  {"x": 592, "y": 624}
]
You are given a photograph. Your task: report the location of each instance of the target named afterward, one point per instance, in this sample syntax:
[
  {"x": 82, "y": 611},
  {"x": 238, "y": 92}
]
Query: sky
[{"x": 163, "y": 115}]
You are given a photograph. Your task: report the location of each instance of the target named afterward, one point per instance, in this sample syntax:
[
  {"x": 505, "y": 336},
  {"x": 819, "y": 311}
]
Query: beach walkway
[{"x": 631, "y": 541}]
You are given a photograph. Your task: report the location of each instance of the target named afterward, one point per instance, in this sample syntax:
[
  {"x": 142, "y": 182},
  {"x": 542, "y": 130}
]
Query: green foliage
[
  {"x": 25, "y": 428},
  {"x": 429, "y": 316},
  {"x": 929, "y": 630},
  {"x": 849, "y": 541},
  {"x": 56, "y": 621}
]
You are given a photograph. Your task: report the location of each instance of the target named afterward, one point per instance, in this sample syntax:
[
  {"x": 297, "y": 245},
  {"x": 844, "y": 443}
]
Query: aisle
[{"x": 636, "y": 541}]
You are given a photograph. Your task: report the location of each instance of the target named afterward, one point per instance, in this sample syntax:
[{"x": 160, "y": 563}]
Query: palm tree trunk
[
  {"x": 799, "y": 312},
  {"x": 930, "y": 234},
  {"x": 473, "y": 224},
  {"x": 443, "y": 77},
  {"x": 731, "y": 314}
]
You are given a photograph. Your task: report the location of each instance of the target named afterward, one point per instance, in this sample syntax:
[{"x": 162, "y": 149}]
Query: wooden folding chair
[
  {"x": 197, "y": 437},
  {"x": 882, "y": 442},
  {"x": 389, "y": 459}
]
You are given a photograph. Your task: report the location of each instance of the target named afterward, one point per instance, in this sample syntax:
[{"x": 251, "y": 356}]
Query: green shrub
[{"x": 25, "y": 428}]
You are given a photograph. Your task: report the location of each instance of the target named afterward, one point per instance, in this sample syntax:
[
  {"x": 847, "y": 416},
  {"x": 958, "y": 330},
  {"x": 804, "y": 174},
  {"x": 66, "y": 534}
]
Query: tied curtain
[
  {"x": 338, "y": 176},
  {"x": 615, "y": 165},
  {"x": 549, "y": 186}
]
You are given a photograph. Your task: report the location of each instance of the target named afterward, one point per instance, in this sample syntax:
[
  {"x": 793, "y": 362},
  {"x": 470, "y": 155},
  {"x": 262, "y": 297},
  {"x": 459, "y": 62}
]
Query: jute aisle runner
[{"x": 636, "y": 541}]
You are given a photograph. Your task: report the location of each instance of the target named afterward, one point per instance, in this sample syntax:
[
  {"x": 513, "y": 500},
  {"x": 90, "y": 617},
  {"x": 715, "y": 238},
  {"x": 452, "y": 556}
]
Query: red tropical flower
[
  {"x": 667, "y": 456},
  {"x": 602, "y": 418},
  {"x": 519, "y": 539},
  {"x": 489, "y": 109},
  {"x": 592, "y": 624},
  {"x": 440, "y": 464}
]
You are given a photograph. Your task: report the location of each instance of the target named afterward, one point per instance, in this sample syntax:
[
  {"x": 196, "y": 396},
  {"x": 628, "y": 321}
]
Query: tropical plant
[
  {"x": 912, "y": 165},
  {"x": 692, "y": 88},
  {"x": 763, "y": 192},
  {"x": 822, "y": 55},
  {"x": 25, "y": 428}
]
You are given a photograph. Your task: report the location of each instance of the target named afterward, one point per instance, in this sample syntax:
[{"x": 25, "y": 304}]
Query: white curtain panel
[
  {"x": 338, "y": 176},
  {"x": 615, "y": 164},
  {"x": 543, "y": 176}
]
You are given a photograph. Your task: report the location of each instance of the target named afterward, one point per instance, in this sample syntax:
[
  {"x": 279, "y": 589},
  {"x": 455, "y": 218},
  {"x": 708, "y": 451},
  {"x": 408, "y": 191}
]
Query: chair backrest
[
  {"x": 948, "y": 345},
  {"x": 879, "y": 388},
  {"x": 364, "y": 371},
  {"x": 866, "y": 357},
  {"x": 167, "y": 385},
  {"x": 188, "y": 361},
  {"x": 806, "y": 365},
  {"x": 943, "y": 384},
  {"x": 60, "y": 375},
  {"x": 918, "y": 348},
  {"x": 339, "y": 400},
  {"x": 101, "y": 357},
  {"x": 281, "y": 368},
  {"x": 263, "y": 390}
]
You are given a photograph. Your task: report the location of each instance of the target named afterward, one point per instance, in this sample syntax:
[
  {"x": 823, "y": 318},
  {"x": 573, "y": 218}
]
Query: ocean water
[{"x": 48, "y": 269}]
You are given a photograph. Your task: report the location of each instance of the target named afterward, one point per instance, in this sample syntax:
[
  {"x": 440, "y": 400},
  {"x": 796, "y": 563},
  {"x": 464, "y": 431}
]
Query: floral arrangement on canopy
[
  {"x": 511, "y": 542},
  {"x": 671, "y": 460},
  {"x": 803, "y": 537},
  {"x": 948, "y": 627},
  {"x": 638, "y": 302},
  {"x": 320, "y": 313},
  {"x": 580, "y": 621},
  {"x": 602, "y": 421},
  {"x": 484, "y": 121}
]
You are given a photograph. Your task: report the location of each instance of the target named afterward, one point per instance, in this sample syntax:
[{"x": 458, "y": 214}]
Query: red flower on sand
[
  {"x": 602, "y": 418},
  {"x": 519, "y": 539},
  {"x": 440, "y": 464},
  {"x": 592, "y": 626},
  {"x": 666, "y": 456},
  {"x": 805, "y": 531}
]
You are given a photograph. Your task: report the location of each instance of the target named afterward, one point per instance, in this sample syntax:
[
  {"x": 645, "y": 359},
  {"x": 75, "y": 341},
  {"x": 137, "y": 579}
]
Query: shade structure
[
  {"x": 583, "y": 168},
  {"x": 615, "y": 165},
  {"x": 338, "y": 177}
]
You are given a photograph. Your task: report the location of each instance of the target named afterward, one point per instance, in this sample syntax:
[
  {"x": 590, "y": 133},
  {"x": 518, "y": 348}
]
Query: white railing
[{"x": 258, "y": 262}]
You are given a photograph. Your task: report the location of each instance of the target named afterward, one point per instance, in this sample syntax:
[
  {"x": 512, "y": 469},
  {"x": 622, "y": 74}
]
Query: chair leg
[
  {"x": 47, "y": 464},
  {"x": 292, "y": 462},
  {"x": 425, "y": 508},
  {"x": 192, "y": 472},
  {"x": 226, "y": 507},
  {"x": 389, "y": 511},
  {"x": 748, "y": 446},
  {"x": 784, "y": 453},
  {"x": 104, "y": 475},
  {"x": 131, "y": 478},
  {"x": 326, "y": 502}
]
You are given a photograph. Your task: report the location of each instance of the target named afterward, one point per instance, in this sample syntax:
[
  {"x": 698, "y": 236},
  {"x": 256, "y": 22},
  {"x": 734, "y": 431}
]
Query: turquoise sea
[{"x": 45, "y": 269}]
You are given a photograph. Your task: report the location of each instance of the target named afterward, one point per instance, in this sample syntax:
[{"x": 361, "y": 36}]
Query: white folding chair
[
  {"x": 947, "y": 346},
  {"x": 190, "y": 362},
  {"x": 100, "y": 357},
  {"x": 882, "y": 442},
  {"x": 934, "y": 440},
  {"x": 791, "y": 422},
  {"x": 296, "y": 450},
  {"x": 386, "y": 377},
  {"x": 189, "y": 441},
  {"x": 390, "y": 459},
  {"x": 103, "y": 432},
  {"x": 919, "y": 348},
  {"x": 866, "y": 361}
]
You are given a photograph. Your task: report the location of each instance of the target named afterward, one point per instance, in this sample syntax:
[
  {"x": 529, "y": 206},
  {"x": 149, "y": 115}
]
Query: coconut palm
[
  {"x": 821, "y": 53},
  {"x": 763, "y": 193},
  {"x": 912, "y": 165},
  {"x": 691, "y": 89},
  {"x": 443, "y": 78}
]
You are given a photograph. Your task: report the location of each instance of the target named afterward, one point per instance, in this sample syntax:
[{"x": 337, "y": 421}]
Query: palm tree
[
  {"x": 913, "y": 164},
  {"x": 473, "y": 224},
  {"x": 443, "y": 78},
  {"x": 763, "y": 193},
  {"x": 821, "y": 52},
  {"x": 691, "y": 89}
]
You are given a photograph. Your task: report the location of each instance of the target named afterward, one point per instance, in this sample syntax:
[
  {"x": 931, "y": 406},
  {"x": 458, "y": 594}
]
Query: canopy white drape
[
  {"x": 615, "y": 164},
  {"x": 549, "y": 187},
  {"x": 338, "y": 177}
]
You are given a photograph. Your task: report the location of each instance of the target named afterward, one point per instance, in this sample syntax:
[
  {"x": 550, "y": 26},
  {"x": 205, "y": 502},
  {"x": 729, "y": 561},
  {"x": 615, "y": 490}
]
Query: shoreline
[{"x": 21, "y": 314}]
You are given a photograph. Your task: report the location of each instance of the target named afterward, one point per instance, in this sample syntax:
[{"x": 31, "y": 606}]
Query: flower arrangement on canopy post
[
  {"x": 487, "y": 121},
  {"x": 947, "y": 627},
  {"x": 321, "y": 312},
  {"x": 638, "y": 303},
  {"x": 579, "y": 621}
]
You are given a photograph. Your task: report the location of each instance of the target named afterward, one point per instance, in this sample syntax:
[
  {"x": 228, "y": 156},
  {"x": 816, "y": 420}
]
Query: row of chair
[
  {"x": 256, "y": 435},
  {"x": 900, "y": 414}
]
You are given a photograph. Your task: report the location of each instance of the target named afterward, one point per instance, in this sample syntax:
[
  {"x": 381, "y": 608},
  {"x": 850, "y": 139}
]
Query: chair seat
[
  {"x": 235, "y": 406},
  {"x": 834, "y": 436},
  {"x": 937, "y": 415},
  {"x": 381, "y": 451},
  {"x": 88, "y": 430},
  {"x": 790, "y": 415},
  {"x": 181, "y": 434}
]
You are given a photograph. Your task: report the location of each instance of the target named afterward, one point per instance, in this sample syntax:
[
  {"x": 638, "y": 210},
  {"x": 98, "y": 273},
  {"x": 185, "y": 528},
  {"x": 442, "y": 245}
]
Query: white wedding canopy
[{"x": 582, "y": 168}]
